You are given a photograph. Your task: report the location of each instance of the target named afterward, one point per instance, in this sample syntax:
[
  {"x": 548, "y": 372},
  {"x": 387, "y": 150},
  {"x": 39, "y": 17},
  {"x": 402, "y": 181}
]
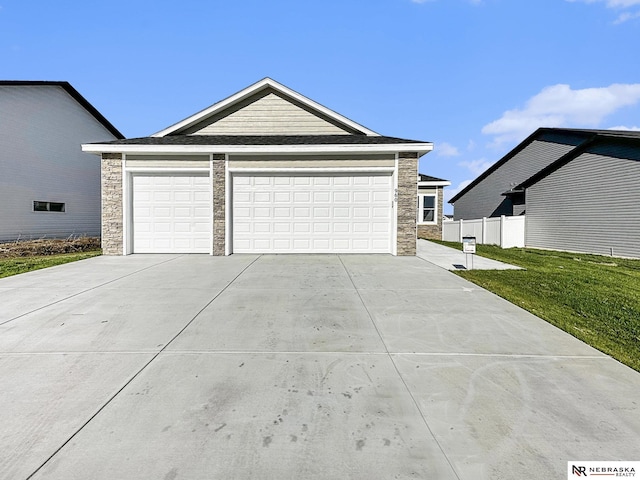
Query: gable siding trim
[{"x": 251, "y": 90}]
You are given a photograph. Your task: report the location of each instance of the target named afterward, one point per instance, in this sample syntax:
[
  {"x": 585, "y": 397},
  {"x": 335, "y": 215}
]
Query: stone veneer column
[
  {"x": 219, "y": 221},
  {"x": 407, "y": 202},
  {"x": 111, "y": 183}
]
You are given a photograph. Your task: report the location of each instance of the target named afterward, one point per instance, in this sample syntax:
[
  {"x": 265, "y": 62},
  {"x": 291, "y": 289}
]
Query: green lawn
[
  {"x": 594, "y": 298},
  {"x": 16, "y": 265}
]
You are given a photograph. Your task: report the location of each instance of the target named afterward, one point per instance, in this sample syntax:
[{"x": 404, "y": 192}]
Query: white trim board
[
  {"x": 253, "y": 89},
  {"x": 420, "y": 148}
]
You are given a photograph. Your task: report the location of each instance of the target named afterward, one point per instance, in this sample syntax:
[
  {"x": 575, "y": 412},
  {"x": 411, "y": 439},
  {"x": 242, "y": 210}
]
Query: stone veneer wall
[
  {"x": 111, "y": 184},
  {"x": 434, "y": 232},
  {"x": 407, "y": 202},
  {"x": 219, "y": 183}
]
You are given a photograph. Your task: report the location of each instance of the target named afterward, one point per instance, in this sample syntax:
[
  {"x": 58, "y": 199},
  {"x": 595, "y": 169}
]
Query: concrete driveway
[{"x": 294, "y": 367}]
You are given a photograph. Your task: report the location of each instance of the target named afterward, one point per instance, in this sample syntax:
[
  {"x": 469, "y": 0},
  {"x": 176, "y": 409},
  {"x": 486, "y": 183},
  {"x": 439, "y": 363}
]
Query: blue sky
[{"x": 473, "y": 76}]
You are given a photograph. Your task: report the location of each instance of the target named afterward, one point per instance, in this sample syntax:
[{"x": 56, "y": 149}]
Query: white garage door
[
  {"x": 312, "y": 214},
  {"x": 171, "y": 214}
]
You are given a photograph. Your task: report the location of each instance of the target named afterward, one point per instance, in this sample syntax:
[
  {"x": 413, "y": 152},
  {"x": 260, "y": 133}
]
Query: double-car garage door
[{"x": 271, "y": 213}]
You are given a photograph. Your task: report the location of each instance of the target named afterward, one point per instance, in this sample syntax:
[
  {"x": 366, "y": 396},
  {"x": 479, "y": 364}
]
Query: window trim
[{"x": 427, "y": 193}]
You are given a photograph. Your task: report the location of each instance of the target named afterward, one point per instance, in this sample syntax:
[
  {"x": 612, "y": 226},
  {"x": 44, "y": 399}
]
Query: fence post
[
  {"x": 460, "y": 239},
  {"x": 484, "y": 230},
  {"x": 502, "y": 220}
]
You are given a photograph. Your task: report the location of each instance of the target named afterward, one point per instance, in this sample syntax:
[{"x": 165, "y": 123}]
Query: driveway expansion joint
[
  {"x": 133, "y": 377},
  {"x": 402, "y": 379}
]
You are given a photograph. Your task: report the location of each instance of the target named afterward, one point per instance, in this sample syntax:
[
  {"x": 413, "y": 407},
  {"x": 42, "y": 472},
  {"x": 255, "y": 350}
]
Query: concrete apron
[{"x": 289, "y": 367}]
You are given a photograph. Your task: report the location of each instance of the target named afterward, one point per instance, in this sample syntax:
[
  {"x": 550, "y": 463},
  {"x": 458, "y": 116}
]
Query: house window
[
  {"x": 427, "y": 208},
  {"x": 48, "y": 206}
]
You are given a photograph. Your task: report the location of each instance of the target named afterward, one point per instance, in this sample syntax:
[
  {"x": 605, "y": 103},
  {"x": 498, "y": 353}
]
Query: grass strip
[
  {"x": 15, "y": 265},
  {"x": 592, "y": 297}
]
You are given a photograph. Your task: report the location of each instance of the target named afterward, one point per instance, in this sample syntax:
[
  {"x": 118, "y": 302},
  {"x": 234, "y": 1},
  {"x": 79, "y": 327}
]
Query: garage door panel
[
  {"x": 282, "y": 197},
  {"x": 171, "y": 214},
  {"x": 282, "y": 227},
  {"x": 262, "y": 197},
  {"x": 323, "y": 213},
  {"x": 259, "y": 227}
]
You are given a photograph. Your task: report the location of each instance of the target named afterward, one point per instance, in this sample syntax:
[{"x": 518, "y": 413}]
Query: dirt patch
[{"x": 43, "y": 247}]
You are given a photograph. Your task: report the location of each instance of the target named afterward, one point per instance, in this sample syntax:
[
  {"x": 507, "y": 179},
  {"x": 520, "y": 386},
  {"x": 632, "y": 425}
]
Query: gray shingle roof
[
  {"x": 586, "y": 135},
  {"x": 429, "y": 178},
  {"x": 263, "y": 140}
]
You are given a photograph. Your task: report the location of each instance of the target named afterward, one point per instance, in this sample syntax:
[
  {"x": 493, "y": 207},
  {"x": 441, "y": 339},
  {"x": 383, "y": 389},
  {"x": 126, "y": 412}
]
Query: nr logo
[{"x": 579, "y": 471}]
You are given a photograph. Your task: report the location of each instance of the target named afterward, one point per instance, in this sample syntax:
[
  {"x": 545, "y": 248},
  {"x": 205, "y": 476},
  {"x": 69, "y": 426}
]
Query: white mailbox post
[{"x": 469, "y": 248}]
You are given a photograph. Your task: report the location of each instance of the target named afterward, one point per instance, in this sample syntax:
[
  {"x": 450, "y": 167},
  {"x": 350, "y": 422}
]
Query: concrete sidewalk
[
  {"x": 452, "y": 259},
  {"x": 294, "y": 367}
]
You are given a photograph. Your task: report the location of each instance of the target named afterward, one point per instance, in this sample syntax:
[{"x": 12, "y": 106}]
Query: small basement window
[{"x": 48, "y": 206}]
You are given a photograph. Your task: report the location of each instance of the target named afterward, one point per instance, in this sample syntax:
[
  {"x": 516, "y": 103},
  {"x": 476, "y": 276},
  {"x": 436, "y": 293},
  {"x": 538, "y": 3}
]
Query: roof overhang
[
  {"x": 252, "y": 90},
  {"x": 97, "y": 148},
  {"x": 513, "y": 192},
  {"x": 441, "y": 183}
]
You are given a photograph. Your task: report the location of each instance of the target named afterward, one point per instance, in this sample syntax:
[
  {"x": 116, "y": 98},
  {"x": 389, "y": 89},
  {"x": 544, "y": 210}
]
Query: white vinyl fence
[{"x": 504, "y": 231}]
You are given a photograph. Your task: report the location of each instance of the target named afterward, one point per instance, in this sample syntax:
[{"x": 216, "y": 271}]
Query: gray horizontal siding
[
  {"x": 485, "y": 199},
  {"x": 588, "y": 205},
  {"x": 41, "y": 159},
  {"x": 270, "y": 115}
]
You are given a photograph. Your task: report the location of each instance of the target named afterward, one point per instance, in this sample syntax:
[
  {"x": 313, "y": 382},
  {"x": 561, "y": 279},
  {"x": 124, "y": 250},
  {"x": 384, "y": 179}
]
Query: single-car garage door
[
  {"x": 312, "y": 213},
  {"x": 171, "y": 214}
]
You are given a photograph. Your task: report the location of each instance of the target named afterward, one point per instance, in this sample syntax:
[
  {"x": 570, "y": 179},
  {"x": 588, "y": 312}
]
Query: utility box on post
[
  {"x": 469, "y": 244},
  {"x": 469, "y": 247}
]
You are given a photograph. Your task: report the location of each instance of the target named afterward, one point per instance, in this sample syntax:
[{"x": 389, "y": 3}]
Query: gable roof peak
[
  {"x": 73, "y": 93},
  {"x": 254, "y": 89}
]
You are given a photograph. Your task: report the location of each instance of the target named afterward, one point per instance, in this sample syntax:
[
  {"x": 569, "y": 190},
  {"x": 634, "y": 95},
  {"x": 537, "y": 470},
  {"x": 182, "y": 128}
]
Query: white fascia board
[
  {"x": 166, "y": 170},
  {"x": 434, "y": 184},
  {"x": 314, "y": 170},
  {"x": 252, "y": 89},
  {"x": 420, "y": 148}
]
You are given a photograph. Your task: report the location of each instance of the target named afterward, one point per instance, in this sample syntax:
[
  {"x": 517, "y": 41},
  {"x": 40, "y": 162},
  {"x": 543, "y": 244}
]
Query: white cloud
[
  {"x": 445, "y": 149},
  {"x": 560, "y": 106},
  {"x": 617, "y": 5},
  {"x": 622, "y": 127},
  {"x": 449, "y": 193},
  {"x": 471, "y": 146},
  {"x": 611, "y": 3},
  {"x": 624, "y": 17},
  {"x": 472, "y": 2},
  {"x": 476, "y": 166}
]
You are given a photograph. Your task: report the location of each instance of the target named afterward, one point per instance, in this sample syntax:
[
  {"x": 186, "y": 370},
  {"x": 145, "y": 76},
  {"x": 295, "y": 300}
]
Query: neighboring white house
[
  {"x": 48, "y": 186},
  {"x": 266, "y": 170}
]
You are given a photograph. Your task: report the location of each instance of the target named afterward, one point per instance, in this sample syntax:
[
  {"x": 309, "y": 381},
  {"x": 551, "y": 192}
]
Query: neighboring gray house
[
  {"x": 430, "y": 203},
  {"x": 266, "y": 170},
  {"x": 586, "y": 199},
  {"x": 48, "y": 187},
  {"x": 492, "y": 194},
  {"x": 589, "y": 199}
]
